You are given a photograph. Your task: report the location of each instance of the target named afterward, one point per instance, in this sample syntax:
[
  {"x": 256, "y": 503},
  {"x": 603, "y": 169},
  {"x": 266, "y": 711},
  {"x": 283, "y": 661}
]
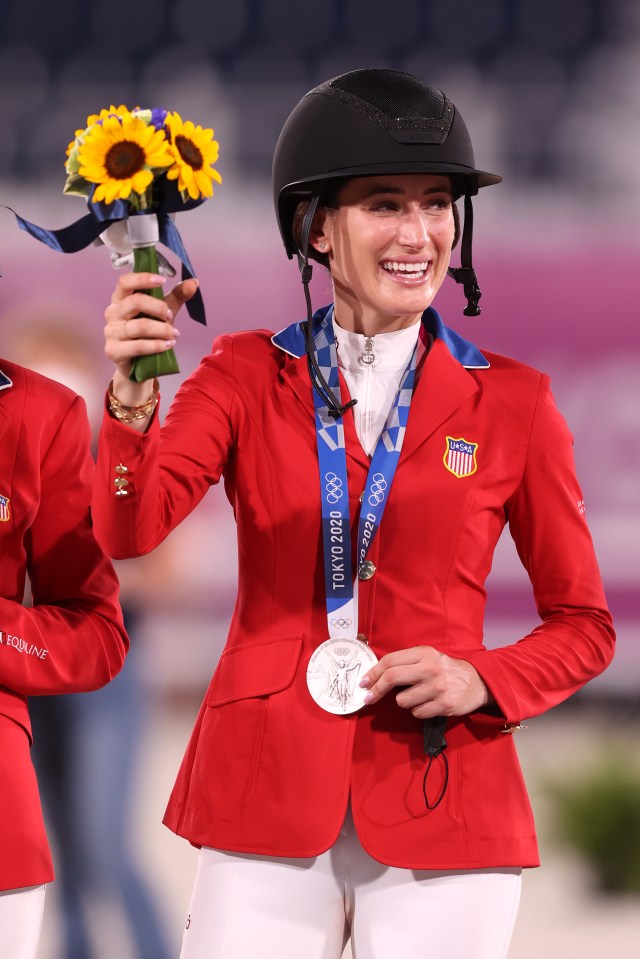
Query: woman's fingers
[
  {"x": 431, "y": 683},
  {"x": 129, "y": 283},
  {"x": 141, "y": 328},
  {"x": 138, "y": 304},
  {"x": 180, "y": 293},
  {"x": 401, "y": 668},
  {"x": 130, "y": 300},
  {"x": 124, "y": 351},
  {"x": 139, "y": 324}
]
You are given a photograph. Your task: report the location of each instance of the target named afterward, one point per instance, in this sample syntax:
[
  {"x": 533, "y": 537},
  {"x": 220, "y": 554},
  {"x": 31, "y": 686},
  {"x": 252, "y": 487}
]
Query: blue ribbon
[
  {"x": 81, "y": 234},
  {"x": 336, "y": 532}
]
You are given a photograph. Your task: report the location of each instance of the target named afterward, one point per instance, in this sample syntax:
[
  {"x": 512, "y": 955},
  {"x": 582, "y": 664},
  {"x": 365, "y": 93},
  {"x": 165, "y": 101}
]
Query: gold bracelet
[{"x": 127, "y": 414}]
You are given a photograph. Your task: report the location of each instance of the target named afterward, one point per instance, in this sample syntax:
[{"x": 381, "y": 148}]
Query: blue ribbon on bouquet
[{"x": 81, "y": 234}]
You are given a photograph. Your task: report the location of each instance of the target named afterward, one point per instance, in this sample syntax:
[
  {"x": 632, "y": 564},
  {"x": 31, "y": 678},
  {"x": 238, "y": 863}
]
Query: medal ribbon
[{"x": 332, "y": 460}]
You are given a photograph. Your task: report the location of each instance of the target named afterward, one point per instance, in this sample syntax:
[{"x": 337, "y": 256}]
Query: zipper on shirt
[
  {"x": 368, "y": 356},
  {"x": 367, "y": 359}
]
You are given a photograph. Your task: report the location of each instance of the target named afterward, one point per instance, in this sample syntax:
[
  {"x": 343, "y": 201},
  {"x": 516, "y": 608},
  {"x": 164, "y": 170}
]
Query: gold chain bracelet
[{"x": 127, "y": 414}]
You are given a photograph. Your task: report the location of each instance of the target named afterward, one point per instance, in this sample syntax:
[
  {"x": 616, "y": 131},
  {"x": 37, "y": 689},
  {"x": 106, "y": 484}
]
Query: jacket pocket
[{"x": 248, "y": 671}]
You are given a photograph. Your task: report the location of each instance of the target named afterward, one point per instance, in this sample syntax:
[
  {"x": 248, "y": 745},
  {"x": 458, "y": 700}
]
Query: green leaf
[{"x": 76, "y": 185}]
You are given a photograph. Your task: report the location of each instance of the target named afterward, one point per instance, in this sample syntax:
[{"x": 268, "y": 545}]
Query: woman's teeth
[{"x": 414, "y": 269}]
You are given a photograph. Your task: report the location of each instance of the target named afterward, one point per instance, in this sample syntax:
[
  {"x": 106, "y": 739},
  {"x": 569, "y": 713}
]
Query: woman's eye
[
  {"x": 438, "y": 205},
  {"x": 382, "y": 205}
]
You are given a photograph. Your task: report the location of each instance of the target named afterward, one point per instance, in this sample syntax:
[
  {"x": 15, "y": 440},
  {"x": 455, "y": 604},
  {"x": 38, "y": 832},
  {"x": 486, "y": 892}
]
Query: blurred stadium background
[{"x": 551, "y": 94}]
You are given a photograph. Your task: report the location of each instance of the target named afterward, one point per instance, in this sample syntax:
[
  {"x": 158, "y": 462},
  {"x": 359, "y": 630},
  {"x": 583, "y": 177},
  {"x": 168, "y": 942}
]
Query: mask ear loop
[
  {"x": 434, "y": 748},
  {"x": 334, "y": 409},
  {"x": 465, "y": 273}
]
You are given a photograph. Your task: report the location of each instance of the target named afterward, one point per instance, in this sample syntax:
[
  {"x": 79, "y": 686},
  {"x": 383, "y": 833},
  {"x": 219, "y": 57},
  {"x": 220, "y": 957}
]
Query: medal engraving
[{"x": 334, "y": 672}]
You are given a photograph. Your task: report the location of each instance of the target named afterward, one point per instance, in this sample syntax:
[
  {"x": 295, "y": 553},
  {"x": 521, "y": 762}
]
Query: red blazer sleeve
[
  {"x": 575, "y": 640},
  {"x": 72, "y": 638},
  {"x": 167, "y": 471}
]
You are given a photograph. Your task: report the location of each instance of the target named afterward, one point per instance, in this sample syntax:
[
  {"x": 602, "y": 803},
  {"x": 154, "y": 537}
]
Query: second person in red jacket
[{"x": 69, "y": 639}]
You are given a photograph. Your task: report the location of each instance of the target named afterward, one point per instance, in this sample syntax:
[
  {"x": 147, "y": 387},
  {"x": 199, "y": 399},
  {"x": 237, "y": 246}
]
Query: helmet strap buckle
[{"x": 465, "y": 274}]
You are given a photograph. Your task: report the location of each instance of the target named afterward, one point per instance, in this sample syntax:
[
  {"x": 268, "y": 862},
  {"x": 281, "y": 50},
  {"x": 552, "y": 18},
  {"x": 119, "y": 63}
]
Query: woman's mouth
[{"x": 407, "y": 272}]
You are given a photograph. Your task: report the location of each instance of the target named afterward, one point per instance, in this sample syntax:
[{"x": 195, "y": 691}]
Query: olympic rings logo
[
  {"x": 341, "y": 623},
  {"x": 333, "y": 486},
  {"x": 377, "y": 489}
]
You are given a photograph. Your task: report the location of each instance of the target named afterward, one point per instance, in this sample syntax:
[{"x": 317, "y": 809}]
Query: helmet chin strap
[
  {"x": 465, "y": 273},
  {"x": 334, "y": 408}
]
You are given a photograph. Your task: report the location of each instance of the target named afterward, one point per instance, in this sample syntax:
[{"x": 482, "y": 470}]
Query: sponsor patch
[
  {"x": 22, "y": 646},
  {"x": 460, "y": 456}
]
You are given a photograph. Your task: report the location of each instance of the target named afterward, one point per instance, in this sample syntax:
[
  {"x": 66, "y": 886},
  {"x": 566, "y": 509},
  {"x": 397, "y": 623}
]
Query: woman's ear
[{"x": 318, "y": 237}]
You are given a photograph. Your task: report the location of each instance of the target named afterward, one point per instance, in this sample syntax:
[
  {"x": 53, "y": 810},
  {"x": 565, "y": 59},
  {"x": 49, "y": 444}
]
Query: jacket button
[{"x": 513, "y": 728}]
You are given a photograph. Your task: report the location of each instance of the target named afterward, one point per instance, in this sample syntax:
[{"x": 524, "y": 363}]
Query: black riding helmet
[{"x": 368, "y": 122}]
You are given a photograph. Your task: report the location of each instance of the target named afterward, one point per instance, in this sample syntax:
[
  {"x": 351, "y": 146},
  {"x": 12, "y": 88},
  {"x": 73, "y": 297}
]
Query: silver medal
[{"x": 334, "y": 673}]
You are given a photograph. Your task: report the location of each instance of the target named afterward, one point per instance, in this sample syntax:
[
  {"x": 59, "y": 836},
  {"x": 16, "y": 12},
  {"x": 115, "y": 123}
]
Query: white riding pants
[
  {"x": 21, "y": 913},
  {"x": 248, "y": 905}
]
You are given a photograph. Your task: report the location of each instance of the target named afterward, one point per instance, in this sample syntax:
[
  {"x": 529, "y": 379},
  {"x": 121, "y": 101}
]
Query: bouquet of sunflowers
[
  {"x": 136, "y": 169},
  {"x": 121, "y": 152}
]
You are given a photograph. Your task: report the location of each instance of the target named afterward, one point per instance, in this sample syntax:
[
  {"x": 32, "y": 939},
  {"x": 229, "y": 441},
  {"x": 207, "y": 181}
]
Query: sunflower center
[
  {"x": 124, "y": 159},
  {"x": 189, "y": 152}
]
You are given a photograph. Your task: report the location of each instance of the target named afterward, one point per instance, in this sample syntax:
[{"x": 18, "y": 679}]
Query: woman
[
  {"x": 69, "y": 639},
  {"x": 349, "y": 772}
]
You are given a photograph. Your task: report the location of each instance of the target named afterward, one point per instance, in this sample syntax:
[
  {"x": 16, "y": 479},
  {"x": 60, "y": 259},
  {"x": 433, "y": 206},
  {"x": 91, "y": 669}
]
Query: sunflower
[
  {"x": 119, "y": 153},
  {"x": 96, "y": 118},
  {"x": 193, "y": 150}
]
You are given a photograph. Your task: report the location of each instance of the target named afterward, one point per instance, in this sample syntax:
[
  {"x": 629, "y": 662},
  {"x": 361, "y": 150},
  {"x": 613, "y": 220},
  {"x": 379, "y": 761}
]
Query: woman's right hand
[{"x": 138, "y": 324}]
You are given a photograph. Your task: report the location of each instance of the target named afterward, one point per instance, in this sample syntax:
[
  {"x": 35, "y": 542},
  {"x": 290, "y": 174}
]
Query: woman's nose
[{"x": 414, "y": 230}]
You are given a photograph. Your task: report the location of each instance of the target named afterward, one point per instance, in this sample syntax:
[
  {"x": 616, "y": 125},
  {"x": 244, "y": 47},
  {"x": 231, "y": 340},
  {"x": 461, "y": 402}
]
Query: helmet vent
[{"x": 394, "y": 100}]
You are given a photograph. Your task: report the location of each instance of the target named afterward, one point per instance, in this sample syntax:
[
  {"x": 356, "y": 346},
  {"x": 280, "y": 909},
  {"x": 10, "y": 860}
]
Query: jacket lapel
[
  {"x": 295, "y": 376},
  {"x": 442, "y": 388},
  {"x": 445, "y": 382},
  {"x": 5, "y": 384}
]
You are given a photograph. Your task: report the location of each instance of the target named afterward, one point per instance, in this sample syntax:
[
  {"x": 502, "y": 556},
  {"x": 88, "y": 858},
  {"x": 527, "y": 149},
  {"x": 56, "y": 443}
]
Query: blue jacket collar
[
  {"x": 291, "y": 339},
  {"x": 5, "y": 382}
]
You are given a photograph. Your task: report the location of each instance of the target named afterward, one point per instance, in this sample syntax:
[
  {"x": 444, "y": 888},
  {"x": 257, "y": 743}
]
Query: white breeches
[
  {"x": 248, "y": 905},
  {"x": 21, "y": 921}
]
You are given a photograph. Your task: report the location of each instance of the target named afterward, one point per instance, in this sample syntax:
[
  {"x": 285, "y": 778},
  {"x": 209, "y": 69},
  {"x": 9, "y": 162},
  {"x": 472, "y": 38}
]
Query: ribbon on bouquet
[{"x": 81, "y": 234}]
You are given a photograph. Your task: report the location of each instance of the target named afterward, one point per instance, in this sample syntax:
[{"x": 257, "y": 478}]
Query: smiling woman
[
  {"x": 352, "y": 772},
  {"x": 388, "y": 243}
]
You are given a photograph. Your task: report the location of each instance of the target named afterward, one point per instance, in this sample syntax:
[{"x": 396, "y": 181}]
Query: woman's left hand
[{"x": 433, "y": 684}]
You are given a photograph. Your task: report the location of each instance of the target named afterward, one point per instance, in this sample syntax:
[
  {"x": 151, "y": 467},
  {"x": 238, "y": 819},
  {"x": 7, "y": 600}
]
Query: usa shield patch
[
  {"x": 5, "y": 513},
  {"x": 460, "y": 456}
]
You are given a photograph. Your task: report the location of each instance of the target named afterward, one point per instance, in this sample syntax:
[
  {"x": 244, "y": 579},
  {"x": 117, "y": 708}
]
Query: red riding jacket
[
  {"x": 267, "y": 770},
  {"x": 72, "y": 638}
]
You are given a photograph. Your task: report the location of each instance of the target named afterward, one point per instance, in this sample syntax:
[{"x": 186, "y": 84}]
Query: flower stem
[{"x": 145, "y": 260}]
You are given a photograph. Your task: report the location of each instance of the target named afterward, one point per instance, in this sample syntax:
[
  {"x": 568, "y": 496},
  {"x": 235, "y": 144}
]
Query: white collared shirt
[{"x": 374, "y": 384}]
